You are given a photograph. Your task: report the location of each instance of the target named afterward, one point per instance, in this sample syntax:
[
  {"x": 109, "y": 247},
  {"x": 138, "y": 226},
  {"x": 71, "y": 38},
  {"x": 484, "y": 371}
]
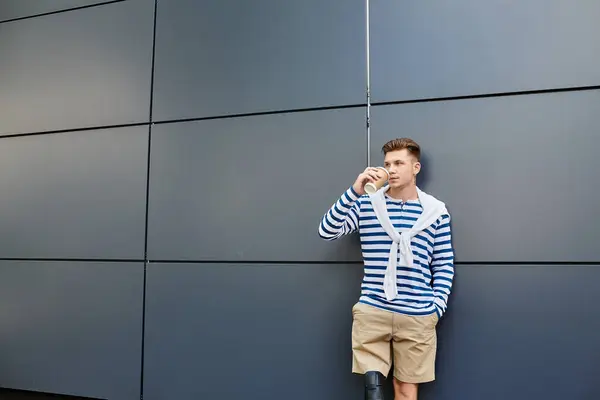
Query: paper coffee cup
[{"x": 372, "y": 187}]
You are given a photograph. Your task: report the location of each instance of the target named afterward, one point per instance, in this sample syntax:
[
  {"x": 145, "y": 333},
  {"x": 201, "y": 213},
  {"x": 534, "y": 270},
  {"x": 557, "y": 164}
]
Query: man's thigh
[
  {"x": 415, "y": 348},
  {"x": 371, "y": 338}
]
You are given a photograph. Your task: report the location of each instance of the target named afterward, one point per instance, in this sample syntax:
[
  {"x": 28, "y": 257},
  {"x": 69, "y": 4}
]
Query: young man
[{"x": 408, "y": 272}]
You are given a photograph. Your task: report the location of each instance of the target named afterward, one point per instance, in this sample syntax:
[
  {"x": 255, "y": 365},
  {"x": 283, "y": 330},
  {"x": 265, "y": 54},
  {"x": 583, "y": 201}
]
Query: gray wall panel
[
  {"x": 241, "y": 323},
  {"x": 10, "y": 9},
  {"x": 258, "y": 304},
  {"x": 252, "y": 188},
  {"x": 519, "y": 174},
  {"x": 77, "y": 69},
  {"x": 250, "y": 330},
  {"x": 219, "y": 57},
  {"x": 520, "y": 332},
  {"x": 71, "y": 327},
  {"x": 431, "y": 49},
  {"x": 74, "y": 195}
]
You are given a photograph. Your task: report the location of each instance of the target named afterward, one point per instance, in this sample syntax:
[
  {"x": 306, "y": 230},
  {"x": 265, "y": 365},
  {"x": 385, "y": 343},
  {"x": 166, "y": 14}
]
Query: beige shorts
[{"x": 377, "y": 335}]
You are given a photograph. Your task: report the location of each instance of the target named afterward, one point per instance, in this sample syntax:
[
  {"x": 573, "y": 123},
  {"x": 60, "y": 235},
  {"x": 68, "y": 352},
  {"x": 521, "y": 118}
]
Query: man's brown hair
[{"x": 401, "y": 144}]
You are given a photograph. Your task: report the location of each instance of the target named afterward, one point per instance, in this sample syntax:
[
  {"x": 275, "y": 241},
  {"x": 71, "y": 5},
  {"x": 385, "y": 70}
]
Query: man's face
[{"x": 402, "y": 166}]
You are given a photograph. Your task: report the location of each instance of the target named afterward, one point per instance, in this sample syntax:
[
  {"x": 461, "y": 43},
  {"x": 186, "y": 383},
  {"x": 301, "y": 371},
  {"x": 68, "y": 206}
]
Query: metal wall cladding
[
  {"x": 291, "y": 322},
  {"x": 253, "y": 188},
  {"x": 240, "y": 293},
  {"x": 12, "y": 9},
  {"x": 74, "y": 194},
  {"x": 518, "y": 174},
  {"x": 259, "y": 318},
  {"x": 425, "y": 49},
  {"x": 77, "y": 69},
  {"x": 223, "y": 57},
  {"x": 72, "y": 327},
  {"x": 507, "y": 322}
]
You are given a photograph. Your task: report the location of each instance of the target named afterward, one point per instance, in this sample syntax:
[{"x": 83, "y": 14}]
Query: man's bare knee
[{"x": 405, "y": 391}]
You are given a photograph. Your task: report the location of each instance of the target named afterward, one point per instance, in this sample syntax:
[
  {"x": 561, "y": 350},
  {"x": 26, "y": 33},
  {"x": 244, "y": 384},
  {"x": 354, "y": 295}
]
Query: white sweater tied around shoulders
[{"x": 401, "y": 239}]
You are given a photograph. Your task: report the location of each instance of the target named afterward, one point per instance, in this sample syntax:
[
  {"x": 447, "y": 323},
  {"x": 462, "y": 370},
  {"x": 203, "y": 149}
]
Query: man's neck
[{"x": 405, "y": 193}]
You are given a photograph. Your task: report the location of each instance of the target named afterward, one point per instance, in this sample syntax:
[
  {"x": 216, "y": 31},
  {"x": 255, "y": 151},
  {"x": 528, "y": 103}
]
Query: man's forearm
[{"x": 342, "y": 218}]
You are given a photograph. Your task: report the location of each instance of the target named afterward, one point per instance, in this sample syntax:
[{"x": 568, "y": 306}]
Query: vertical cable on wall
[
  {"x": 368, "y": 72},
  {"x": 146, "y": 262}
]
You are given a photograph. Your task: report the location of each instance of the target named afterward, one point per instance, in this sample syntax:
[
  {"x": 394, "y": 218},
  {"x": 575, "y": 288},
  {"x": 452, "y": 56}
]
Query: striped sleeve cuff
[
  {"x": 440, "y": 306},
  {"x": 351, "y": 194}
]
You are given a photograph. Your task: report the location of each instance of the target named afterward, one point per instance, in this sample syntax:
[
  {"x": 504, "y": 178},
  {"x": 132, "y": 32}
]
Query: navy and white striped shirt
[{"x": 422, "y": 289}]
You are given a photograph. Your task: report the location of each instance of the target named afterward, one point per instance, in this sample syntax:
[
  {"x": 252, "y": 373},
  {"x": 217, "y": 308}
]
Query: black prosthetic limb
[{"x": 374, "y": 385}]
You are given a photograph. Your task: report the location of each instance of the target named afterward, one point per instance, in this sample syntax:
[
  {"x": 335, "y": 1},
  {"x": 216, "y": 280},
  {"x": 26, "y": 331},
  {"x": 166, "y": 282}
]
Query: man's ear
[{"x": 416, "y": 167}]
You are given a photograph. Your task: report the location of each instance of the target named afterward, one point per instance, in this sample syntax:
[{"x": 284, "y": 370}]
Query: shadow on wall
[{"x": 424, "y": 174}]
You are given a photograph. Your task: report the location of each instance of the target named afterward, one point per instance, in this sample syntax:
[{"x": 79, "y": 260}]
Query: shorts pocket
[{"x": 435, "y": 317}]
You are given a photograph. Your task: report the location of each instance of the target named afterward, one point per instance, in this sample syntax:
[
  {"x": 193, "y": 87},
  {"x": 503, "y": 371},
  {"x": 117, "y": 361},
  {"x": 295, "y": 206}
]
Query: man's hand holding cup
[{"x": 370, "y": 180}]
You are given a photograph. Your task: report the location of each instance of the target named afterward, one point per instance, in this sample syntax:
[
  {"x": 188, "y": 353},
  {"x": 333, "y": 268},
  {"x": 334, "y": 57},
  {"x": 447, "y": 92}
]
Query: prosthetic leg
[{"x": 374, "y": 385}]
